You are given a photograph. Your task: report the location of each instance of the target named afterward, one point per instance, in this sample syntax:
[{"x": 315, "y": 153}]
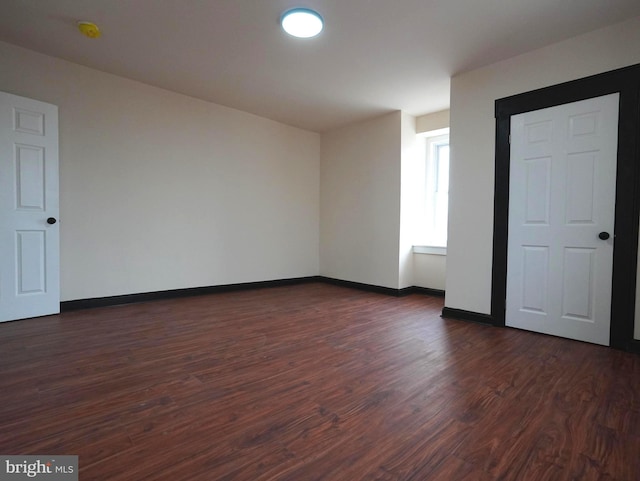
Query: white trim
[{"x": 433, "y": 250}]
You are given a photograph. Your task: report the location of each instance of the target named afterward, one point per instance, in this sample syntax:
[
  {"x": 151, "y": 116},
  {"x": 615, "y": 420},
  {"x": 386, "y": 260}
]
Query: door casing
[{"x": 625, "y": 81}]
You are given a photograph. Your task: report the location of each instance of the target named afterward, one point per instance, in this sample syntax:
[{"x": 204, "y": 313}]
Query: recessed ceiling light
[{"x": 302, "y": 22}]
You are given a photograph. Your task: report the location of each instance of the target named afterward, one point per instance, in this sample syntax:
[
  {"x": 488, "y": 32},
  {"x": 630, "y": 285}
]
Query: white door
[
  {"x": 29, "y": 234},
  {"x": 561, "y": 202}
]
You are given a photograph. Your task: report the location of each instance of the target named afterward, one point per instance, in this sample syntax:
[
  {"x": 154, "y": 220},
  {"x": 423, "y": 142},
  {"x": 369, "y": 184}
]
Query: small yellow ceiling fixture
[{"x": 89, "y": 29}]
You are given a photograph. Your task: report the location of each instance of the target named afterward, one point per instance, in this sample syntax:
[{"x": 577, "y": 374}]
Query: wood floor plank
[{"x": 314, "y": 382}]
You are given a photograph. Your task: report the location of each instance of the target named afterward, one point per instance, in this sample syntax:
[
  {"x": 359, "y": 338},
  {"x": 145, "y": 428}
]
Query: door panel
[
  {"x": 29, "y": 246},
  {"x": 561, "y": 196},
  {"x": 30, "y": 255},
  {"x": 538, "y": 178},
  {"x": 30, "y": 178},
  {"x": 577, "y": 286},
  {"x": 535, "y": 266}
]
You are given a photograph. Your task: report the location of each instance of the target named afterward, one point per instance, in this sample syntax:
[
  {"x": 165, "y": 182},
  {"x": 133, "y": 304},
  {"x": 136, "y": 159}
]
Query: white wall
[
  {"x": 360, "y": 202},
  {"x": 162, "y": 191},
  {"x": 433, "y": 121},
  {"x": 411, "y": 187},
  {"x": 371, "y": 179},
  {"x": 469, "y": 257},
  {"x": 429, "y": 270}
]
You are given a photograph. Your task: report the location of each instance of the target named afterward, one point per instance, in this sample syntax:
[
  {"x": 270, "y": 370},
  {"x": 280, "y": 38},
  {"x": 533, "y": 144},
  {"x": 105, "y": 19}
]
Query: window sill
[{"x": 433, "y": 250}]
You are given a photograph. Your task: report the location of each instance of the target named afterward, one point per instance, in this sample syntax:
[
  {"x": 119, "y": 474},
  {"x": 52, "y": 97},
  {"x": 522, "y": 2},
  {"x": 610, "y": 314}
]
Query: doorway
[
  {"x": 29, "y": 229},
  {"x": 626, "y": 83}
]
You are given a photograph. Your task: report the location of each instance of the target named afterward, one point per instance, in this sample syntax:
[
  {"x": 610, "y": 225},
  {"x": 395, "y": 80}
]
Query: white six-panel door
[
  {"x": 561, "y": 199},
  {"x": 29, "y": 241}
]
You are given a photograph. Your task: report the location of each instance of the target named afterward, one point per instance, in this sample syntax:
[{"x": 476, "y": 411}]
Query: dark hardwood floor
[{"x": 314, "y": 382}]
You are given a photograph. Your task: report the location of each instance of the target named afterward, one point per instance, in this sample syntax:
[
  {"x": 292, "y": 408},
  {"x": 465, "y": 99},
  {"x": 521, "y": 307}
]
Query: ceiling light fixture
[{"x": 302, "y": 22}]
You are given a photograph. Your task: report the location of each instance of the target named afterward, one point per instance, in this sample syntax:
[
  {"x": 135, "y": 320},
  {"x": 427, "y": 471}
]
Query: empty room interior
[{"x": 402, "y": 245}]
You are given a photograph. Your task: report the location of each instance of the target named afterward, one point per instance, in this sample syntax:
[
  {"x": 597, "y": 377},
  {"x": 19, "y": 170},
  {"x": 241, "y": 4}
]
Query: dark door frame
[{"x": 625, "y": 81}]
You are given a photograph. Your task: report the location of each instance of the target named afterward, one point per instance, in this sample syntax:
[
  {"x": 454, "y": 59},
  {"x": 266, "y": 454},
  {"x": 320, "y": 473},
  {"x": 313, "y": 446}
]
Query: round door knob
[
  {"x": 51, "y": 220},
  {"x": 604, "y": 235}
]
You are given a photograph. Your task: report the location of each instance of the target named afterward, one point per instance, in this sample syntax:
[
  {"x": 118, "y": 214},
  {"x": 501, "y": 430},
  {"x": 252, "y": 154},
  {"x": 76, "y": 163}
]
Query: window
[{"x": 433, "y": 231}]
